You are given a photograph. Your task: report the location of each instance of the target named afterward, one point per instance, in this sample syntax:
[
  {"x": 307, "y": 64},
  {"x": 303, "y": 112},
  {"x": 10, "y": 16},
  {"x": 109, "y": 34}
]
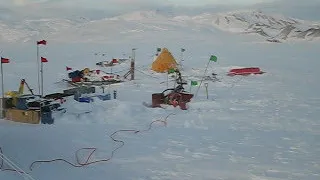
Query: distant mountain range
[{"x": 274, "y": 28}]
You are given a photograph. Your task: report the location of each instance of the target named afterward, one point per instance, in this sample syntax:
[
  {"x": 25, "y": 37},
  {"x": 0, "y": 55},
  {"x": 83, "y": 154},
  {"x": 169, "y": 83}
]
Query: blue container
[
  {"x": 85, "y": 99},
  {"x": 46, "y": 118},
  {"x": 104, "y": 97}
]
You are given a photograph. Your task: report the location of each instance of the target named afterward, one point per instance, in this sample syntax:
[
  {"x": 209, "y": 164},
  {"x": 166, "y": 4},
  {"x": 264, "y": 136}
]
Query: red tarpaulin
[
  {"x": 76, "y": 79},
  {"x": 114, "y": 61},
  {"x": 107, "y": 77},
  {"x": 245, "y": 71}
]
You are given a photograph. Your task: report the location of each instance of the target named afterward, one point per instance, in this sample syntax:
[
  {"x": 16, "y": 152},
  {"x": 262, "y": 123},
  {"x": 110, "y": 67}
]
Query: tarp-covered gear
[{"x": 245, "y": 71}]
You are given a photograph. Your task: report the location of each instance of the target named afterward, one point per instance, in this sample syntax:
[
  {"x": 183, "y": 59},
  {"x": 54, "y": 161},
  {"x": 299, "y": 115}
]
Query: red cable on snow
[{"x": 93, "y": 150}]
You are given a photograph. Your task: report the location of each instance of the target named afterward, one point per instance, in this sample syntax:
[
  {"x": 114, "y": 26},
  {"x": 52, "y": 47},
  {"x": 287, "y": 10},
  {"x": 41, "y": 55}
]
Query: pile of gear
[{"x": 87, "y": 75}]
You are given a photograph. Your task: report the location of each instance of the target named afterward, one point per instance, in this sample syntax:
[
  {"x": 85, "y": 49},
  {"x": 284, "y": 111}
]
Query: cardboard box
[{"x": 23, "y": 116}]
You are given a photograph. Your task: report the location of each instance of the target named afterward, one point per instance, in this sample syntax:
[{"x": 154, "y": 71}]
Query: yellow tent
[{"x": 164, "y": 61}]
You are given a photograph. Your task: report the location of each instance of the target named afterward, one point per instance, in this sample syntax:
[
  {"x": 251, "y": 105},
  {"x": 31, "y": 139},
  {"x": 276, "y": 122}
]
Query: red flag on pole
[
  {"x": 44, "y": 60},
  {"x": 43, "y": 42},
  {"x": 4, "y": 60},
  {"x": 68, "y": 68}
]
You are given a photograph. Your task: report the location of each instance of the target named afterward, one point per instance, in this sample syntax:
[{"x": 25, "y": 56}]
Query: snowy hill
[
  {"x": 139, "y": 15},
  {"x": 271, "y": 27},
  {"x": 254, "y": 22},
  {"x": 27, "y": 30}
]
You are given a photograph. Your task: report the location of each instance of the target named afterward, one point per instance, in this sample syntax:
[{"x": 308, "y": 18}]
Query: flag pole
[
  {"x": 167, "y": 80},
  {"x": 206, "y": 85},
  {"x": 38, "y": 68},
  {"x": 2, "y": 92},
  {"x": 205, "y": 72},
  {"x": 2, "y": 80},
  {"x": 111, "y": 65},
  {"x": 132, "y": 67},
  {"x": 181, "y": 56},
  {"x": 41, "y": 79},
  {"x": 212, "y": 58}
]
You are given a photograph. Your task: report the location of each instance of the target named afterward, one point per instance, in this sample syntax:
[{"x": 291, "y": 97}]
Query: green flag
[
  {"x": 171, "y": 71},
  {"x": 194, "y": 83},
  {"x": 213, "y": 58}
]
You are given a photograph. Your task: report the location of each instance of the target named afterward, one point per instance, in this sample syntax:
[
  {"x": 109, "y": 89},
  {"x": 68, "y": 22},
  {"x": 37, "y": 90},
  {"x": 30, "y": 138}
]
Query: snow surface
[{"x": 259, "y": 127}]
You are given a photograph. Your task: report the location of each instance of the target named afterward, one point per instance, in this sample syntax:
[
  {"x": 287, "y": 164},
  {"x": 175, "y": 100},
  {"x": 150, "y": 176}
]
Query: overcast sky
[
  {"x": 97, "y": 3},
  {"x": 304, "y": 9}
]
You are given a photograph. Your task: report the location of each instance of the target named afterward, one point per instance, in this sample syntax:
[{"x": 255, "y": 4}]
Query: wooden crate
[{"x": 23, "y": 116}]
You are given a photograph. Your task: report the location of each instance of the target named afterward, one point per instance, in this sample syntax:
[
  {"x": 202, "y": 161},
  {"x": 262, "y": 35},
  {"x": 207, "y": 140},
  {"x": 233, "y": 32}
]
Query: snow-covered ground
[{"x": 259, "y": 127}]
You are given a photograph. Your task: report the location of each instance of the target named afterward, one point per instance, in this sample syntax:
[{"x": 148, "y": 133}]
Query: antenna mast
[{"x": 132, "y": 63}]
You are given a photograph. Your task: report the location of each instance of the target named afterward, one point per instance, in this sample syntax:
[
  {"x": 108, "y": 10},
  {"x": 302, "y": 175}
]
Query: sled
[{"x": 245, "y": 71}]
